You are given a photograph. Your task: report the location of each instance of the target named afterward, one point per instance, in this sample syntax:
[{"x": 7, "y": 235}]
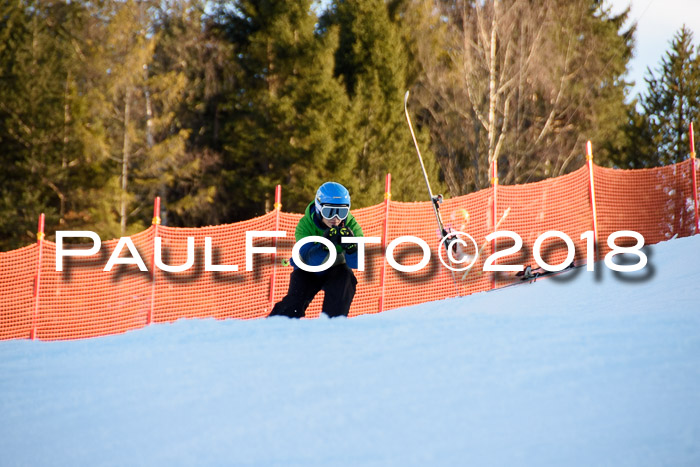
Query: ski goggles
[{"x": 330, "y": 211}]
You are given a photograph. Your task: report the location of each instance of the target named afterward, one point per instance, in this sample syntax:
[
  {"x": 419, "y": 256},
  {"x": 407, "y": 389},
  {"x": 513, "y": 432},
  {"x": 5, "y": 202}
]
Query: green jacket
[{"x": 314, "y": 254}]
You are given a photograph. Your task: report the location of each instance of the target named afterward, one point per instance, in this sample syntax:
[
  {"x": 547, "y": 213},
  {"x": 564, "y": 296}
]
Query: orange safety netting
[{"x": 84, "y": 301}]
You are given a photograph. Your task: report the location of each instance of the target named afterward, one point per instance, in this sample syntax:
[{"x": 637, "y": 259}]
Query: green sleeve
[
  {"x": 354, "y": 226},
  {"x": 306, "y": 228}
]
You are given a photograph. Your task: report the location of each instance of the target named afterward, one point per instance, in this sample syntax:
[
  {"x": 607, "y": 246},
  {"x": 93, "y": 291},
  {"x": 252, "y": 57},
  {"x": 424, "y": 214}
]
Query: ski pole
[{"x": 435, "y": 199}]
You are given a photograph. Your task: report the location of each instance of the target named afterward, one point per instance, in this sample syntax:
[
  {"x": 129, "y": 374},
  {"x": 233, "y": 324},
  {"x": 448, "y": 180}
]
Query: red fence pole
[
  {"x": 695, "y": 178},
  {"x": 155, "y": 222},
  {"x": 494, "y": 214},
  {"x": 37, "y": 280},
  {"x": 385, "y": 234},
  {"x": 591, "y": 192},
  {"x": 278, "y": 208}
]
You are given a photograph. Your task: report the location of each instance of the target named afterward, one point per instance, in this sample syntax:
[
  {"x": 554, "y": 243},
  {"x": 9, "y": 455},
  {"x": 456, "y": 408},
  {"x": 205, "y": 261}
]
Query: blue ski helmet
[{"x": 332, "y": 193}]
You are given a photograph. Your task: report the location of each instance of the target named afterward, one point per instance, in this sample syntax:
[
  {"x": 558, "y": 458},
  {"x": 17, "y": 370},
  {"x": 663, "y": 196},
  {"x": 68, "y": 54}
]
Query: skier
[{"x": 327, "y": 216}]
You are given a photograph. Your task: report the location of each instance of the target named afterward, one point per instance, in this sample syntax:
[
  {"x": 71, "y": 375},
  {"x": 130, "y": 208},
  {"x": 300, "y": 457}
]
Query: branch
[
  {"x": 573, "y": 152},
  {"x": 479, "y": 115},
  {"x": 27, "y": 129},
  {"x": 535, "y": 41},
  {"x": 504, "y": 129},
  {"x": 481, "y": 31},
  {"x": 51, "y": 185},
  {"x": 550, "y": 118}
]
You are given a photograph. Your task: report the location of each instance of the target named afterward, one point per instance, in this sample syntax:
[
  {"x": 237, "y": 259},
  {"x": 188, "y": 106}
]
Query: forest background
[{"x": 209, "y": 104}]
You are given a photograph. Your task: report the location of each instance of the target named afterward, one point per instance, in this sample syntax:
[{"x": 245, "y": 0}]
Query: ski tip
[{"x": 405, "y": 97}]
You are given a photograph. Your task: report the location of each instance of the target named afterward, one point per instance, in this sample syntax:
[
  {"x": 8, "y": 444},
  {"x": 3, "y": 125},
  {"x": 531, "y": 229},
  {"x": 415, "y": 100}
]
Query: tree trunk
[
  {"x": 125, "y": 160},
  {"x": 492, "y": 86}
]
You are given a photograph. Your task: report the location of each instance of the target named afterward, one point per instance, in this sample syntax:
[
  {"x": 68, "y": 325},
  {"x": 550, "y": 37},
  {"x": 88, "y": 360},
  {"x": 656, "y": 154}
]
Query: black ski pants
[{"x": 338, "y": 283}]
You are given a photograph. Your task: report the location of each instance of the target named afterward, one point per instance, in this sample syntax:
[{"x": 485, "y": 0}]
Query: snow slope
[{"x": 577, "y": 371}]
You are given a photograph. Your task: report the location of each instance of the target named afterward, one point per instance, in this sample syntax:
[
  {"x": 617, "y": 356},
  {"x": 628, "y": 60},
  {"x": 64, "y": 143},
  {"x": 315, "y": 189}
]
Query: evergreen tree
[
  {"x": 658, "y": 135},
  {"x": 191, "y": 53},
  {"x": 372, "y": 61},
  {"x": 40, "y": 106},
  {"x": 133, "y": 123},
  {"x": 607, "y": 89},
  {"x": 121, "y": 50},
  {"x": 287, "y": 111}
]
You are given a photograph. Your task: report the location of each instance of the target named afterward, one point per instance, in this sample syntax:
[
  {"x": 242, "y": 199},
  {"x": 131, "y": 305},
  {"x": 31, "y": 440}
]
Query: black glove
[
  {"x": 349, "y": 248},
  {"x": 332, "y": 234}
]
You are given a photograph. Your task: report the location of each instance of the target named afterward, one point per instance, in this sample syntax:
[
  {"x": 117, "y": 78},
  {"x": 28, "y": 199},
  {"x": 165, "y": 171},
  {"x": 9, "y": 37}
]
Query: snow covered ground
[{"x": 581, "y": 371}]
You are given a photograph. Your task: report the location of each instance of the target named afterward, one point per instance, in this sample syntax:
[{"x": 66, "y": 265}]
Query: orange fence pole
[
  {"x": 385, "y": 234},
  {"x": 591, "y": 192},
  {"x": 37, "y": 280},
  {"x": 695, "y": 178},
  {"x": 278, "y": 208},
  {"x": 494, "y": 214},
  {"x": 155, "y": 222}
]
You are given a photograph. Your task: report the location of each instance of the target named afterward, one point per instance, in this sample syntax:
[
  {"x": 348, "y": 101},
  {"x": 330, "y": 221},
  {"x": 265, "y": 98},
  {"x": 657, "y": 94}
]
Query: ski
[{"x": 530, "y": 275}]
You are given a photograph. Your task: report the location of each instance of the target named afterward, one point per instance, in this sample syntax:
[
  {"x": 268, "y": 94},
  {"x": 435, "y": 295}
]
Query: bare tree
[{"x": 513, "y": 80}]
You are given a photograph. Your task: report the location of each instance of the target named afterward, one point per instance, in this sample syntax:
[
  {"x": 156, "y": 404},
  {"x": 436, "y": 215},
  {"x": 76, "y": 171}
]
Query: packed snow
[{"x": 582, "y": 369}]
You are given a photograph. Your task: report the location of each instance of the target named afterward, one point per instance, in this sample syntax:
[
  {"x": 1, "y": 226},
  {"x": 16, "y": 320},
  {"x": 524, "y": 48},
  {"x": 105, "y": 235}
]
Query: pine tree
[
  {"x": 121, "y": 48},
  {"x": 42, "y": 152},
  {"x": 659, "y": 134},
  {"x": 287, "y": 111},
  {"x": 372, "y": 61},
  {"x": 104, "y": 105},
  {"x": 192, "y": 55},
  {"x": 133, "y": 123}
]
